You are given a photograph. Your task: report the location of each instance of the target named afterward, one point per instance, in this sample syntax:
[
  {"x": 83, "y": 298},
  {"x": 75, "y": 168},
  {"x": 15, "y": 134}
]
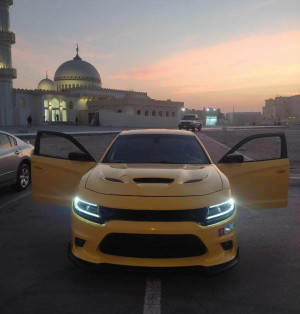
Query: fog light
[
  {"x": 227, "y": 245},
  {"x": 79, "y": 242},
  {"x": 226, "y": 229}
]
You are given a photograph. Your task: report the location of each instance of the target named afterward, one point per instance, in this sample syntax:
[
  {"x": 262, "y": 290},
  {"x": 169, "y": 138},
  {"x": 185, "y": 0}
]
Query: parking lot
[{"x": 37, "y": 276}]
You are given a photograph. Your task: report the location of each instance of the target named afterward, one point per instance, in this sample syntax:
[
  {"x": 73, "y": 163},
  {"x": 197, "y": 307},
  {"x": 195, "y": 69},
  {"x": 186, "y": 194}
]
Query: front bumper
[
  {"x": 187, "y": 126},
  {"x": 214, "y": 254},
  {"x": 104, "y": 266}
]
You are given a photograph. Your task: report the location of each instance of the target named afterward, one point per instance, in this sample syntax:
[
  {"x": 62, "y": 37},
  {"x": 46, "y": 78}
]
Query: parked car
[
  {"x": 156, "y": 199},
  {"x": 190, "y": 122},
  {"x": 15, "y": 156}
]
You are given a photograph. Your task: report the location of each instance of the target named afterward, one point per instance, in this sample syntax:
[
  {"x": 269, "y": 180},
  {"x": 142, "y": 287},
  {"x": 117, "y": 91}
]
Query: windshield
[
  {"x": 156, "y": 148},
  {"x": 189, "y": 117}
]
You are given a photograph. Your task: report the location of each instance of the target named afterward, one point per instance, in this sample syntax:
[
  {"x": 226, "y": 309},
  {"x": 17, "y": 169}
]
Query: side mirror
[
  {"x": 232, "y": 159},
  {"x": 79, "y": 156}
]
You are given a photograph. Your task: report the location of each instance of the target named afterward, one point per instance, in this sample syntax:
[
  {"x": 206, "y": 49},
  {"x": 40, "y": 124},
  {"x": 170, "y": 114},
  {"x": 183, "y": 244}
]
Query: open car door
[
  {"x": 58, "y": 163},
  {"x": 258, "y": 171}
]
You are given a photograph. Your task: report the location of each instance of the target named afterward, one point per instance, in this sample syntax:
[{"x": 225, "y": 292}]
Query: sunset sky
[{"x": 217, "y": 53}]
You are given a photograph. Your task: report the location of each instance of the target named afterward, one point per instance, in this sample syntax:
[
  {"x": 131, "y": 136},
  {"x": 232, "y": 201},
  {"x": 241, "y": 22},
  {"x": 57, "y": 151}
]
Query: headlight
[
  {"x": 87, "y": 210},
  {"x": 217, "y": 213}
]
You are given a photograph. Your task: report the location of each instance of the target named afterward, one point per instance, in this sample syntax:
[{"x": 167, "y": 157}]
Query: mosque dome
[
  {"x": 46, "y": 84},
  {"x": 76, "y": 73}
]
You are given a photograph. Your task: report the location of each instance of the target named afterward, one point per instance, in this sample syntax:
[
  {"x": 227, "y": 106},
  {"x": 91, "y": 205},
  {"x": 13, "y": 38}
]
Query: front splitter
[{"x": 92, "y": 267}]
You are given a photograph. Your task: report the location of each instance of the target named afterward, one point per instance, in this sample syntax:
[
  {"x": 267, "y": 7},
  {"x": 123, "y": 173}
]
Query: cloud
[{"x": 247, "y": 63}]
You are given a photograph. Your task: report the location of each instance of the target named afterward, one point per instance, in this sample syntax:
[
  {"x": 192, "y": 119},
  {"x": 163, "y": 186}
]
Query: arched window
[
  {"x": 46, "y": 111},
  {"x": 54, "y": 109},
  {"x": 22, "y": 102},
  {"x": 63, "y": 109}
]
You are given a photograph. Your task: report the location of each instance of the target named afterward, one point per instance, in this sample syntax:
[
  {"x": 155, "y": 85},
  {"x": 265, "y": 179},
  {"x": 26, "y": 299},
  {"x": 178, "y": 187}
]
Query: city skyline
[{"x": 203, "y": 53}]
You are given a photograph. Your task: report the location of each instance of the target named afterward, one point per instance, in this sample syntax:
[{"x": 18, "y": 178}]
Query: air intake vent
[{"x": 153, "y": 180}]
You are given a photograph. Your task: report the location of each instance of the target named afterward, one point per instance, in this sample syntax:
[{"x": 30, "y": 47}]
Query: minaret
[{"x": 7, "y": 73}]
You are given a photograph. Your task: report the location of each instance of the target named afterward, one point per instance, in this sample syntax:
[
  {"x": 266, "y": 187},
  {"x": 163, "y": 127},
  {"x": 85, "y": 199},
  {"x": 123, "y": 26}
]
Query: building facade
[
  {"x": 282, "y": 110},
  {"x": 76, "y": 91},
  {"x": 7, "y": 72}
]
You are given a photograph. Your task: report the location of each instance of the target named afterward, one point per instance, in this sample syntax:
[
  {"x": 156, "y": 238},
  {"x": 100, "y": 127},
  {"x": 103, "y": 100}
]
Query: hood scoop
[
  {"x": 153, "y": 180},
  {"x": 196, "y": 180},
  {"x": 113, "y": 180}
]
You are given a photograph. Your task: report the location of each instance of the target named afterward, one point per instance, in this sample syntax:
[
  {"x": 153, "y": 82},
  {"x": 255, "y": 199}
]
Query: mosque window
[
  {"x": 69, "y": 85},
  {"x": 46, "y": 103},
  {"x": 153, "y": 113},
  {"x": 167, "y": 113},
  {"x": 64, "y": 115},
  {"x": 22, "y": 102},
  {"x": 146, "y": 113},
  {"x": 54, "y": 103},
  {"x": 46, "y": 115},
  {"x": 160, "y": 113},
  {"x": 77, "y": 85},
  {"x": 138, "y": 112},
  {"x": 73, "y": 85},
  {"x": 71, "y": 105}
]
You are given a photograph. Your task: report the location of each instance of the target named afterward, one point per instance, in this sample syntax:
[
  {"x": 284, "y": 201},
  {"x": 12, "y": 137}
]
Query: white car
[{"x": 15, "y": 163}]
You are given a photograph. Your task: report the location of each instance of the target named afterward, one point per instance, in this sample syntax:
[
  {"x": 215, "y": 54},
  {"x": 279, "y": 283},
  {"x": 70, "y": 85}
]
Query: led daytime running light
[
  {"x": 77, "y": 200},
  {"x": 231, "y": 208}
]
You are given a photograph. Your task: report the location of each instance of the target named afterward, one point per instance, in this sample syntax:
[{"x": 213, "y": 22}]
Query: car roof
[{"x": 157, "y": 131}]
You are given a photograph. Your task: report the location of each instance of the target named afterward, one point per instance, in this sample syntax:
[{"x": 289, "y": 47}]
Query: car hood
[{"x": 154, "y": 180}]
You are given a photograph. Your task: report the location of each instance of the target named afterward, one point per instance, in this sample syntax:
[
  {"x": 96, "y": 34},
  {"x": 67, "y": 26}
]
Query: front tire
[{"x": 23, "y": 177}]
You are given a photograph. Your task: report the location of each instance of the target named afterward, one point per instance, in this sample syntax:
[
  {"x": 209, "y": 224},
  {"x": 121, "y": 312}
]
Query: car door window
[
  {"x": 4, "y": 141},
  {"x": 58, "y": 145},
  {"x": 260, "y": 147}
]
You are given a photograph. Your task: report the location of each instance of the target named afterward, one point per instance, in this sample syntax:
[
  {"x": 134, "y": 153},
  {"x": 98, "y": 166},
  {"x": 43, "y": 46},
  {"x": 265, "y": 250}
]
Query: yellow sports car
[{"x": 156, "y": 199}]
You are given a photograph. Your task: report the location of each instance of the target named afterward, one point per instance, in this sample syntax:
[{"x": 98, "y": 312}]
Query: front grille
[
  {"x": 194, "y": 215},
  {"x": 152, "y": 245}
]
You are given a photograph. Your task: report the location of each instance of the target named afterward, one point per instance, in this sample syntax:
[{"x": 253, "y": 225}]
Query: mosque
[{"x": 75, "y": 91}]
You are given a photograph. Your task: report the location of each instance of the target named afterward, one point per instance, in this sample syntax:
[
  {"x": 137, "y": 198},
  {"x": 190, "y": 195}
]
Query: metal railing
[
  {"x": 8, "y": 72},
  {"x": 7, "y": 36}
]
